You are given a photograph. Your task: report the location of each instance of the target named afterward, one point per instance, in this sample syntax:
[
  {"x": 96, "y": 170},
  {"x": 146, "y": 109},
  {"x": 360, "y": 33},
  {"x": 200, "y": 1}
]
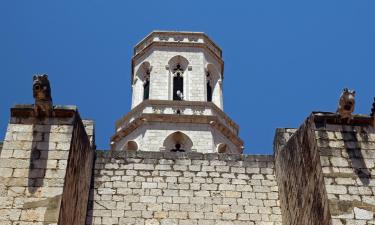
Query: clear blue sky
[{"x": 283, "y": 59}]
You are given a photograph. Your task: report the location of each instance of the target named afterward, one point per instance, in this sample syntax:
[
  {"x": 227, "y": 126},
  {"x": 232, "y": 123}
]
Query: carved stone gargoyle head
[
  {"x": 42, "y": 95},
  {"x": 346, "y": 104}
]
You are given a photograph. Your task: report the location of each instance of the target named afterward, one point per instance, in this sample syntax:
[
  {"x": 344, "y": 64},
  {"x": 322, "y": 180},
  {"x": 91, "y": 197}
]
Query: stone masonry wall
[
  {"x": 33, "y": 166},
  {"x": 325, "y": 171},
  {"x": 302, "y": 195},
  {"x": 183, "y": 188},
  {"x": 347, "y": 156}
]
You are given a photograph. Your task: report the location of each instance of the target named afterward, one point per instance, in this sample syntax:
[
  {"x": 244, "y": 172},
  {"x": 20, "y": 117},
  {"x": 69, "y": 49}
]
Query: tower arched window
[
  {"x": 178, "y": 83},
  {"x": 142, "y": 83},
  {"x": 209, "y": 88},
  {"x": 146, "y": 89}
]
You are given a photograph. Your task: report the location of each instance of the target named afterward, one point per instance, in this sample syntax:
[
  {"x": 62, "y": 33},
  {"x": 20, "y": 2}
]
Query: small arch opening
[
  {"x": 178, "y": 142},
  {"x": 222, "y": 148},
  {"x": 131, "y": 146}
]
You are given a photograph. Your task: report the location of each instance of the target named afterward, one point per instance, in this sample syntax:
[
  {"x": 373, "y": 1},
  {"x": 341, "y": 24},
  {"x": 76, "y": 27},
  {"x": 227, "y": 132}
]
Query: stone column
[{"x": 45, "y": 167}]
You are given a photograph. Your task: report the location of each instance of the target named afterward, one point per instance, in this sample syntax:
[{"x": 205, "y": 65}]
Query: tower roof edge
[{"x": 177, "y": 36}]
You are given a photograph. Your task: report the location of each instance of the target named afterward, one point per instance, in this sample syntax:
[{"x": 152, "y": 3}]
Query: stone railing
[
  {"x": 177, "y": 37},
  {"x": 166, "y": 107}
]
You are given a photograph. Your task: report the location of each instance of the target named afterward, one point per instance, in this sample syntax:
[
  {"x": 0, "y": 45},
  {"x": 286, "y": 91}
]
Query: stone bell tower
[{"x": 177, "y": 99}]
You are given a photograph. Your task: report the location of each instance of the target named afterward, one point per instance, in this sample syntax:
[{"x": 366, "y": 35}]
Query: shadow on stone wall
[
  {"x": 90, "y": 204},
  {"x": 354, "y": 151},
  {"x": 38, "y": 157}
]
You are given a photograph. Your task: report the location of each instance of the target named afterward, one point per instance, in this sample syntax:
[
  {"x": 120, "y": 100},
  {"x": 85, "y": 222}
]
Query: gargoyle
[
  {"x": 42, "y": 94},
  {"x": 346, "y": 104}
]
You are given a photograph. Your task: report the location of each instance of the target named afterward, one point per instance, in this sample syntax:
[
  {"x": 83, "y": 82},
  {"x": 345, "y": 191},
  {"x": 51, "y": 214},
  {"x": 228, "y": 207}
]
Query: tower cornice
[
  {"x": 177, "y": 39},
  {"x": 151, "y": 105}
]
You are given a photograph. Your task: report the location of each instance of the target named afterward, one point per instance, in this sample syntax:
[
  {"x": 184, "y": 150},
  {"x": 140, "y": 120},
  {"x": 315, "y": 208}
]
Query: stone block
[{"x": 363, "y": 214}]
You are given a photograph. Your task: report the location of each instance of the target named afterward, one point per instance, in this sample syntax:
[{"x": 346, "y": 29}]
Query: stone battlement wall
[{"x": 183, "y": 188}]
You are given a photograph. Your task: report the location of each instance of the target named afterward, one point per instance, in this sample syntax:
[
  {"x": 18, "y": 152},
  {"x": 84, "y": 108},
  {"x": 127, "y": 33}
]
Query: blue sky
[{"x": 283, "y": 59}]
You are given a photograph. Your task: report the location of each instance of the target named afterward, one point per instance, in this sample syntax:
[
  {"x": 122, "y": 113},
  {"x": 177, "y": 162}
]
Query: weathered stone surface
[
  {"x": 302, "y": 195},
  {"x": 362, "y": 214}
]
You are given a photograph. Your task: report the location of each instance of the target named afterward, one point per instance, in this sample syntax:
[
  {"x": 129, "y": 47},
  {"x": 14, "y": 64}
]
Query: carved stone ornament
[
  {"x": 346, "y": 104},
  {"x": 163, "y": 38},
  {"x": 193, "y": 39},
  {"x": 42, "y": 95},
  {"x": 178, "y": 38},
  {"x": 178, "y": 71}
]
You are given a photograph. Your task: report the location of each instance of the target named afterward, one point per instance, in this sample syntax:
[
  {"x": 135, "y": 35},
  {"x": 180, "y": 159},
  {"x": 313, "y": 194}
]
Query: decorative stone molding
[
  {"x": 169, "y": 107},
  {"x": 213, "y": 121},
  {"x": 170, "y": 36}
]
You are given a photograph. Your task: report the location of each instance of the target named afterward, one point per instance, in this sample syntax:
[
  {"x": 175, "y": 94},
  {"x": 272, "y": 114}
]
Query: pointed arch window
[
  {"x": 178, "y": 83},
  {"x": 209, "y": 88},
  {"x": 146, "y": 85},
  {"x": 178, "y": 142},
  {"x": 146, "y": 89}
]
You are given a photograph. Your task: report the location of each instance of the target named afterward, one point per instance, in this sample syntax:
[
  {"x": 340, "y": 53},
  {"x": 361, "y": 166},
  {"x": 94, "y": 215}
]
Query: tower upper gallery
[
  {"x": 169, "y": 65},
  {"x": 177, "y": 99}
]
